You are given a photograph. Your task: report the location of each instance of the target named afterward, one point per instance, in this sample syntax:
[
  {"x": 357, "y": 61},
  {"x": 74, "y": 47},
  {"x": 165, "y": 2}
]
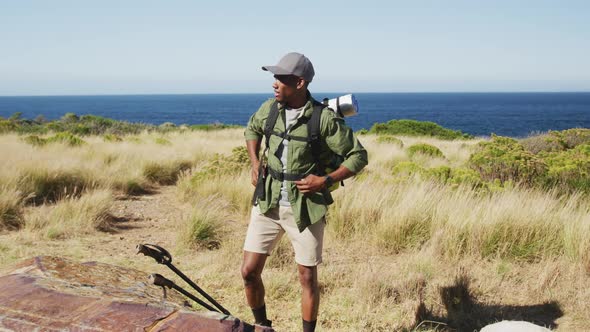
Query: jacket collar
[{"x": 307, "y": 108}]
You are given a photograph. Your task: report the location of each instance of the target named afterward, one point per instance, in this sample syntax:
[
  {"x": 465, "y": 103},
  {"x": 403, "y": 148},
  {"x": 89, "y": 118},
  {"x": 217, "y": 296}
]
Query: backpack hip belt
[{"x": 280, "y": 176}]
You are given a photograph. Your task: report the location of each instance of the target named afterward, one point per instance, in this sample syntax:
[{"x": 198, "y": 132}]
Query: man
[{"x": 295, "y": 192}]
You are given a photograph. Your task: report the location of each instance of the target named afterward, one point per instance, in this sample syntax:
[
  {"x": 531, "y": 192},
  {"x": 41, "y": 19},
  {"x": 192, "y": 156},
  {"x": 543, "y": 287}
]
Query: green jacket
[{"x": 337, "y": 139}]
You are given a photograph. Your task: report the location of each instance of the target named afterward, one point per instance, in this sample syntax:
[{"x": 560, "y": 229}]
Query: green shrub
[
  {"x": 362, "y": 132},
  {"x": 557, "y": 140},
  {"x": 417, "y": 128},
  {"x": 93, "y": 125},
  {"x": 16, "y": 116},
  {"x": 134, "y": 139},
  {"x": 167, "y": 126},
  {"x": 56, "y": 126},
  {"x": 570, "y": 169},
  {"x": 407, "y": 168},
  {"x": 504, "y": 159},
  {"x": 441, "y": 173},
  {"x": 425, "y": 149},
  {"x": 80, "y": 129},
  {"x": 35, "y": 140},
  {"x": 465, "y": 176},
  {"x": 390, "y": 140},
  {"x": 165, "y": 173},
  {"x": 162, "y": 141},
  {"x": 570, "y": 138},
  {"x": 66, "y": 138},
  {"x": 7, "y": 126},
  {"x": 112, "y": 138},
  {"x": 212, "y": 126},
  {"x": 539, "y": 143},
  {"x": 70, "y": 118},
  {"x": 40, "y": 119}
]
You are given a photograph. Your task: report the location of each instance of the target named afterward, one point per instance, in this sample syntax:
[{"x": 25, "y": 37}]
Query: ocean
[{"x": 480, "y": 114}]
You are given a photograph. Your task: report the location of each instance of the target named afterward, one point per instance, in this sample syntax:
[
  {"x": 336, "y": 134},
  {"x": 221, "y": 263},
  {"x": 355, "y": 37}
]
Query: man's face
[{"x": 286, "y": 86}]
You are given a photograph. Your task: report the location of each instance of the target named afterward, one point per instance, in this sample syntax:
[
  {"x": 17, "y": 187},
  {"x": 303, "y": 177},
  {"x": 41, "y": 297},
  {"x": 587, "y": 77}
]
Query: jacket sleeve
[
  {"x": 255, "y": 127},
  {"x": 341, "y": 140}
]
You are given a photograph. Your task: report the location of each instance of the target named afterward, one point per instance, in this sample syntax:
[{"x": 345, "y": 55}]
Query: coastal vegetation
[
  {"x": 86, "y": 125},
  {"x": 440, "y": 232},
  {"x": 417, "y": 128}
]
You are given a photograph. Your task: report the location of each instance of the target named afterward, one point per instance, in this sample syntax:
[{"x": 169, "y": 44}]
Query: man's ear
[{"x": 301, "y": 84}]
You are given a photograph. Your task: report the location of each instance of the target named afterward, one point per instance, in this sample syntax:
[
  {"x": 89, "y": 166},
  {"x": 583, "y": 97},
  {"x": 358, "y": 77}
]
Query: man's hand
[
  {"x": 311, "y": 184},
  {"x": 254, "y": 173}
]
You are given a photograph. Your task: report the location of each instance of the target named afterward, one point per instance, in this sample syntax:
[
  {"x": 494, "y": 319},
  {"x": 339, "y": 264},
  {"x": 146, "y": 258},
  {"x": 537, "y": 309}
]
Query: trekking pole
[
  {"x": 162, "y": 256},
  {"x": 161, "y": 281}
]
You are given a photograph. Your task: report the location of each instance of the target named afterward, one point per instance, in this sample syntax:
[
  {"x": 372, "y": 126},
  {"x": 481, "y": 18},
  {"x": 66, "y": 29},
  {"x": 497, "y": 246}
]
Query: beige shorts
[{"x": 265, "y": 231}]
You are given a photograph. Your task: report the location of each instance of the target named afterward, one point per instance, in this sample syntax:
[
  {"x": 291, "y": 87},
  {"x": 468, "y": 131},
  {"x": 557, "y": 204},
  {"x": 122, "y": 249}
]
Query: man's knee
[
  {"x": 252, "y": 266},
  {"x": 308, "y": 277},
  {"x": 249, "y": 274}
]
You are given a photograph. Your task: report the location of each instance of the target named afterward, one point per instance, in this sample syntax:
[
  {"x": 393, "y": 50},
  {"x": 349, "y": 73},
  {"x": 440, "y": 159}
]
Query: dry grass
[
  {"x": 203, "y": 227},
  {"x": 72, "y": 216},
  {"x": 129, "y": 166},
  {"x": 399, "y": 252},
  {"x": 11, "y": 214},
  {"x": 515, "y": 223}
]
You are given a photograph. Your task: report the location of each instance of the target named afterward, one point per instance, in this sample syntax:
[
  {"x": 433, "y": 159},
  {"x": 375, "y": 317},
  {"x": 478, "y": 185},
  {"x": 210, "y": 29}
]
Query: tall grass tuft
[
  {"x": 202, "y": 227},
  {"x": 165, "y": 172},
  {"x": 11, "y": 212},
  {"x": 72, "y": 216},
  {"x": 42, "y": 184}
]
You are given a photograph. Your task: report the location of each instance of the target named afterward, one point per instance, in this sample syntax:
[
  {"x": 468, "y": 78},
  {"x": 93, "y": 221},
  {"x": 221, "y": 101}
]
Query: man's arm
[
  {"x": 253, "y": 146},
  {"x": 340, "y": 139},
  {"x": 313, "y": 183}
]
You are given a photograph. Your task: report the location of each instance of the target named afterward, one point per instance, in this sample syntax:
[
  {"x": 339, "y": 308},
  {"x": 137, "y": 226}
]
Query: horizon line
[{"x": 270, "y": 93}]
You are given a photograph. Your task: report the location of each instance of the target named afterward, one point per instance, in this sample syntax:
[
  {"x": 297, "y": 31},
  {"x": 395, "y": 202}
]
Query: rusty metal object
[{"x": 55, "y": 294}]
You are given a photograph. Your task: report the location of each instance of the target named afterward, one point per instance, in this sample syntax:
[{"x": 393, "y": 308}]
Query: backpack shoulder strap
[
  {"x": 314, "y": 135},
  {"x": 271, "y": 120}
]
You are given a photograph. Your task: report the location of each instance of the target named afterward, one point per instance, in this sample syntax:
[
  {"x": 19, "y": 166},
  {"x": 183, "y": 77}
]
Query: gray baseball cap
[{"x": 293, "y": 64}]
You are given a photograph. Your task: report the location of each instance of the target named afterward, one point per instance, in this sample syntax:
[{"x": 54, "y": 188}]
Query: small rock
[{"x": 514, "y": 326}]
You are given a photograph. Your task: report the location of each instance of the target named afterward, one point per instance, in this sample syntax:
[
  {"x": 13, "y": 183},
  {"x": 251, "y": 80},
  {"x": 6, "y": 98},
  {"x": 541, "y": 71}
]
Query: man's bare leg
[
  {"x": 252, "y": 267},
  {"x": 310, "y": 296}
]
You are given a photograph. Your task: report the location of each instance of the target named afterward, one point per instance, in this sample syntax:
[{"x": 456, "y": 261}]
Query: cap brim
[{"x": 277, "y": 70}]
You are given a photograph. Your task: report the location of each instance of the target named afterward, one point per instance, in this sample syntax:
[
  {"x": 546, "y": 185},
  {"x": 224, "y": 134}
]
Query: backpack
[{"x": 313, "y": 139}]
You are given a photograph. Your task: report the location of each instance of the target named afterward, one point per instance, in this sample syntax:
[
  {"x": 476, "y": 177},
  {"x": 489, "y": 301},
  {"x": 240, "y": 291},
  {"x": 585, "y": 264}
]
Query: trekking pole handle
[
  {"x": 161, "y": 255},
  {"x": 159, "y": 280}
]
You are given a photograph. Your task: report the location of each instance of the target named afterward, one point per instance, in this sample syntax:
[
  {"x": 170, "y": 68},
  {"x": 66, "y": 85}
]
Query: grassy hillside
[{"x": 435, "y": 234}]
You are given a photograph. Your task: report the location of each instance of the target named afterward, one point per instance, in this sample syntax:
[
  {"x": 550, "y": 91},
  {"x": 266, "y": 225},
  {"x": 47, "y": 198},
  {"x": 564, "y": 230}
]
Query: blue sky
[{"x": 134, "y": 47}]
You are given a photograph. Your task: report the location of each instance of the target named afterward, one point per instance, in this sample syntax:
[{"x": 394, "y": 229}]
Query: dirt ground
[{"x": 155, "y": 218}]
